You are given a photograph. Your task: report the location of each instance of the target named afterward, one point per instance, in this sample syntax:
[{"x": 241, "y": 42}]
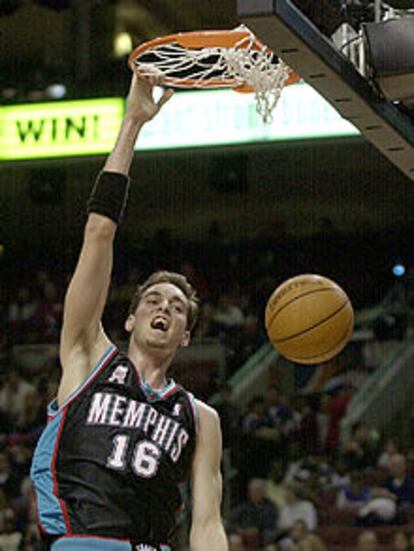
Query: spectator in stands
[
  {"x": 353, "y": 495},
  {"x": 367, "y": 541},
  {"x": 277, "y": 406},
  {"x": 339, "y": 475},
  {"x": 400, "y": 541},
  {"x": 272, "y": 405},
  {"x": 10, "y": 537},
  {"x": 304, "y": 540},
  {"x": 276, "y": 486},
  {"x": 379, "y": 510},
  {"x": 390, "y": 448},
  {"x": 48, "y": 315},
  {"x": 323, "y": 419},
  {"x": 206, "y": 326},
  {"x": 230, "y": 417},
  {"x": 235, "y": 542},
  {"x": 27, "y": 517},
  {"x": 229, "y": 321},
  {"x": 297, "y": 508},
  {"x": 21, "y": 314},
  {"x": 337, "y": 409},
  {"x": 359, "y": 452},
  {"x": 309, "y": 471},
  {"x": 9, "y": 481},
  {"x": 13, "y": 395},
  {"x": 399, "y": 485},
  {"x": 20, "y": 456},
  {"x": 251, "y": 338},
  {"x": 228, "y": 315},
  {"x": 5, "y": 417},
  {"x": 254, "y": 520},
  {"x": 259, "y": 440},
  {"x": 256, "y": 417},
  {"x": 32, "y": 416},
  {"x": 31, "y": 538},
  {"x": 308, "y": 431},
  {"x": 279, "y": 412}
]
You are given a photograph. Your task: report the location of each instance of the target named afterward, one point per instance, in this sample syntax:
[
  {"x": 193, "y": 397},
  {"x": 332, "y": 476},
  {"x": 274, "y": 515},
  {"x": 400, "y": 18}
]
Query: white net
[
  {"x": 246, "y": 63},
  {"x": 257, "y": 70}
]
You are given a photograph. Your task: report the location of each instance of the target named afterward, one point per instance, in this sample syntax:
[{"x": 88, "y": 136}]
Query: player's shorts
[{"x": 91, "y": 543}]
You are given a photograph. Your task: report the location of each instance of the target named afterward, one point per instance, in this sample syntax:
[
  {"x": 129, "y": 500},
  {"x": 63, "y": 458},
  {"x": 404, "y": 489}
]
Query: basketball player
[{"x": 121, "y": 435}]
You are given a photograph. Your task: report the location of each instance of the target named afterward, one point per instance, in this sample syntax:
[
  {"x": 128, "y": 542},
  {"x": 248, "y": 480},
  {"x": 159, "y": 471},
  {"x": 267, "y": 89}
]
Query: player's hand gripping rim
[{"x": 141, "y": 104}]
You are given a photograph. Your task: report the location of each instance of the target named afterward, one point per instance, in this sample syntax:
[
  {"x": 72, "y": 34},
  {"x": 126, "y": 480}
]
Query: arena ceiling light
[{"x": 390, "y": 56}]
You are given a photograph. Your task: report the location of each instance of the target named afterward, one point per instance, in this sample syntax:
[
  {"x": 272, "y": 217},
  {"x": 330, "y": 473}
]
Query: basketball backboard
[{"x": 293, "y": 37}]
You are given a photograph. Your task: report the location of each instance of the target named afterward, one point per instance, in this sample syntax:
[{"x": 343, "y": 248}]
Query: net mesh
[{"x": 247, "y": 63}]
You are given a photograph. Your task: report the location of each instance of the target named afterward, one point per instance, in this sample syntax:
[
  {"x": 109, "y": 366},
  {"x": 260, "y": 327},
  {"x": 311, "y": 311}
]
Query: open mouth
[{"x": 160, "y": 324}]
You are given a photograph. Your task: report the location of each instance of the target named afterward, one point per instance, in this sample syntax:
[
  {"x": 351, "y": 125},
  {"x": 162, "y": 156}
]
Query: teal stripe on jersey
[
  {"x": 49, "y": 508},
  {"x": 154, "y": 394},
  {"x": 89, "y": 544}
]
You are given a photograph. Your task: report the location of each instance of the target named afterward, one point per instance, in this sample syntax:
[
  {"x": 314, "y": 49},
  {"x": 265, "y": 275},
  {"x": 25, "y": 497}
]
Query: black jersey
[{"x": 111, "y": 458}]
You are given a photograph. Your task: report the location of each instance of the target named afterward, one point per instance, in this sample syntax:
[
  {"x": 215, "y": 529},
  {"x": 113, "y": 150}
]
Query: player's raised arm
[
  {"x": 207, "y": 531},
  {"x": 83, "y": 339}
]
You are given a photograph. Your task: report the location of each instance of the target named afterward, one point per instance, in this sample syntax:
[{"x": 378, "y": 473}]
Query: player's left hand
[{"x": 141, "y": 104}]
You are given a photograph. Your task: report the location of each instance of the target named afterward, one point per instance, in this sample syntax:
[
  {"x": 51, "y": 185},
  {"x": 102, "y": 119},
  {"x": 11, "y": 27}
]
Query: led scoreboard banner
[
  {"x": 224, "y": 117},
  {"x": 59, "y": 129},
  {"x": 190, "y": 119}
]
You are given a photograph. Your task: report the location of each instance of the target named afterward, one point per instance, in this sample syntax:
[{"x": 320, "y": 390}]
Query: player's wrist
[
  {"x": 135, "y": 118},
  {"x": 109, "y": 195}
]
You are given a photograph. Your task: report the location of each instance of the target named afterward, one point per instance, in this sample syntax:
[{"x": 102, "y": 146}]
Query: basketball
[{"x": 309, "y": 319}]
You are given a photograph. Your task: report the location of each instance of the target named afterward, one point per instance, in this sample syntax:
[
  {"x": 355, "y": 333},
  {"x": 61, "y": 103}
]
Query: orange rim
[
  {"x": 205, "y": 39},
  {"x": 197, "y": 39}
]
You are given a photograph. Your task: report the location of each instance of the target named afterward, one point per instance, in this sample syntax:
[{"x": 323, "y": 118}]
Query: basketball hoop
[{"x": 218, "y": 59}]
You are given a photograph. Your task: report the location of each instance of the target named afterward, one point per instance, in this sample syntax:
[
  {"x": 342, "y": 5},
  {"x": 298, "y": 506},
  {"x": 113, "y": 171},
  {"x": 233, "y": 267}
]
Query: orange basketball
[{"x": 309, "y": 319}]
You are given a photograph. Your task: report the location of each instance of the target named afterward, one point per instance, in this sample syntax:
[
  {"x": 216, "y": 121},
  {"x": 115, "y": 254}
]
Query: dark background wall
[{"x": 335, "y": 207}]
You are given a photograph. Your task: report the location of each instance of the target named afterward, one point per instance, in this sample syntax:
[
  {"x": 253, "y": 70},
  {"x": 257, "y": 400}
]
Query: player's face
[{"x": 160, "y": 320}]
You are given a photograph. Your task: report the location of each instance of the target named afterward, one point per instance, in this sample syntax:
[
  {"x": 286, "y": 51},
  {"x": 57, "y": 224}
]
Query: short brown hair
[{"x": 179, "y": 281}]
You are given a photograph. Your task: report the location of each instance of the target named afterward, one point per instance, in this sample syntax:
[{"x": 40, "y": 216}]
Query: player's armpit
[{"x": 207, "y": 530}]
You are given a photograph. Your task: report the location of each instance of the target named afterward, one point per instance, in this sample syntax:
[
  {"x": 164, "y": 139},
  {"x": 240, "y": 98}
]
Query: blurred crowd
[
  {"x": 311, "y": 490},
  {"x": 33, "y": 313},
  {"x": 291, "y": 483}
]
